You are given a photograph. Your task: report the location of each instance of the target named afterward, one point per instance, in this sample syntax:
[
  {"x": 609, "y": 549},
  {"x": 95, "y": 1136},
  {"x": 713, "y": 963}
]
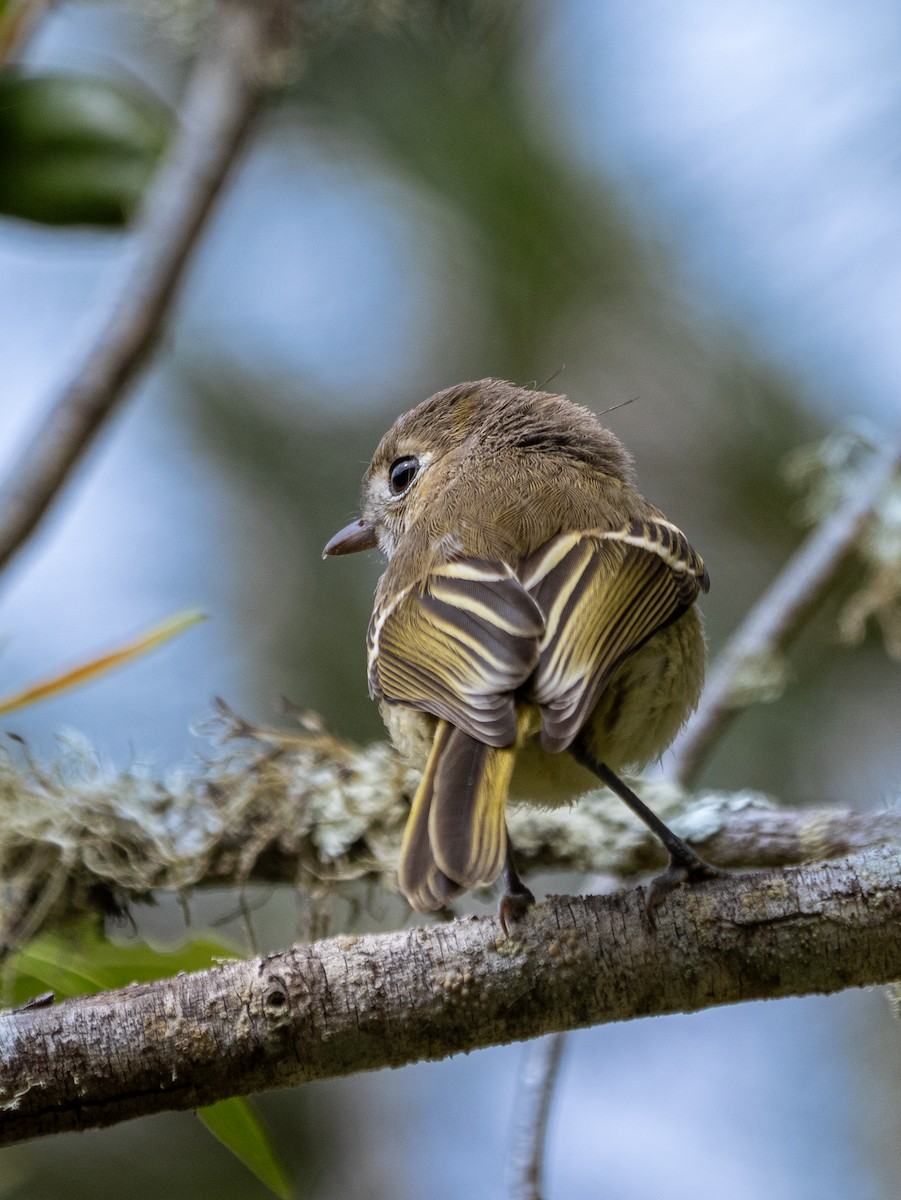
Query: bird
[{"x": 534, "y": 632}]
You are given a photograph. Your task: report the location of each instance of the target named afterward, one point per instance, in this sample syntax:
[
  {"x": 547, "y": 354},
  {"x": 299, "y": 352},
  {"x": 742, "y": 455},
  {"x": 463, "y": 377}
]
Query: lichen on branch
[{"x": 303, "y": 807}]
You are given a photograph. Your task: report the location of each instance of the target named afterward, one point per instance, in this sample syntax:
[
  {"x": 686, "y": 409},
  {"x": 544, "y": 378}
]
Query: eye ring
[{"x": 402, "y": 473}]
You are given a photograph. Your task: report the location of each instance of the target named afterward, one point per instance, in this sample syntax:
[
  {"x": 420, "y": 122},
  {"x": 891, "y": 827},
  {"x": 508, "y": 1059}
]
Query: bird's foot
[
  {"x": 684, "y": 867},
  {"x": 513, "y": 906},
  {"x": 517, "y": 899}
]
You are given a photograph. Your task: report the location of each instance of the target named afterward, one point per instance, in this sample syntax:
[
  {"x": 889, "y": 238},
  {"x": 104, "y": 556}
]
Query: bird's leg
[
  {"x": 684, "y": 864},
  {"x": 517, "y": 898}
]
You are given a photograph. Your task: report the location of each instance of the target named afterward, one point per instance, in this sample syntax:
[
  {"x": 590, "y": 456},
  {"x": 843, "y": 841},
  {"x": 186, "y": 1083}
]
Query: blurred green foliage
[
  {"x": 79, "y": 961},
  {"x": 76, "y": 150},
  {"x": 442, "y": 103},
  {"x": 238, "y": 1127}
]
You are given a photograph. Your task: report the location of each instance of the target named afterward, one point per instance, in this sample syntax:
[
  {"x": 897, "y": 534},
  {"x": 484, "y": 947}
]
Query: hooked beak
[{"x": 358, "y": 535}]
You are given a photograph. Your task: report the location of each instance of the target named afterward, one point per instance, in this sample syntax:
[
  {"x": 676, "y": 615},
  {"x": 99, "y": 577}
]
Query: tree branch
[
  {"x": 361, "y": 1003},
  {"x": 18, "y": 22},
  {"x": 223, "y": 95},
  {"x": 535, "y": 1090},
  {"x": 351, "y": 1004},
  {"x": 325, "y": 815},
  {"x": 778, "y": 616}
]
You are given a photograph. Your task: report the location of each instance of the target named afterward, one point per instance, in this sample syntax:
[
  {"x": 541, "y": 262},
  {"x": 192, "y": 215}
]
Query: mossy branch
[{"x": 325, "y": 815}]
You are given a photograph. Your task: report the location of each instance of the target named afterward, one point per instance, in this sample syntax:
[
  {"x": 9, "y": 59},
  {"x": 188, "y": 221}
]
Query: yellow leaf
[{"x": 94, "y": 667}]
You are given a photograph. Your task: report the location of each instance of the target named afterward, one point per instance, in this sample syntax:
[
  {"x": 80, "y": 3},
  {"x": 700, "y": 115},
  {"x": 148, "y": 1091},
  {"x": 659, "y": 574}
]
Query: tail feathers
[
  {"x": 467, "y": 829},
  {"x": 456, "y": 836},
  {"x": 418, "y": 874}
]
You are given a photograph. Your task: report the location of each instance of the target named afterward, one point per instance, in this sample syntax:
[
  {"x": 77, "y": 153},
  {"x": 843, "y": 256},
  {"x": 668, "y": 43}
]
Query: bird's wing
[
  {"x": 458, "y": 644},
  {"x": 603, "y": 593}
]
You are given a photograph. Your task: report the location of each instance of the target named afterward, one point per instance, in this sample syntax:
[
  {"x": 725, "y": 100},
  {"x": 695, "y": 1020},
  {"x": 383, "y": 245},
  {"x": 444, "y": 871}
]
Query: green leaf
[
  {"x": 76, "y": 150},
  {"x": 238, "y": 1127},
  {"x": 82, "y": 961}
]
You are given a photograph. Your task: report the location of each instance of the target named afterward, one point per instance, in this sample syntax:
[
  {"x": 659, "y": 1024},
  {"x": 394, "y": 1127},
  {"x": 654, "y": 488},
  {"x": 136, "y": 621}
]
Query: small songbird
[{"x": 533, "y": 603}]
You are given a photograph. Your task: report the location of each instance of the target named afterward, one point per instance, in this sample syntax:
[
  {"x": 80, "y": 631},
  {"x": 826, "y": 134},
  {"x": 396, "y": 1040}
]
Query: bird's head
[{"x": 485, "y": 439}]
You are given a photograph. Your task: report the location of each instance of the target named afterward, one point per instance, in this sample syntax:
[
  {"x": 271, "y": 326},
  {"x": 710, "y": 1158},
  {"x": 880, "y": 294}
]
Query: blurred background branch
[
  {"x": 19, "y": 19},
  {"x": 778, "y": 617},
  {"x": 534, "y": 1092},
  {"x": 229, "y": 80}
]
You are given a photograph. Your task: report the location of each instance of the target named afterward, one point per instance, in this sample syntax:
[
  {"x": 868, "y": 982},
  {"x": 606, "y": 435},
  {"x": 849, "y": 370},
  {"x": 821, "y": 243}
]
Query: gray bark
[{"x": 351, "y": 1004}]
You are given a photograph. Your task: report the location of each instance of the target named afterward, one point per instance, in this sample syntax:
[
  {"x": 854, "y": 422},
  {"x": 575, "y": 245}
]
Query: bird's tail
[{"x": 456, "y": 835}]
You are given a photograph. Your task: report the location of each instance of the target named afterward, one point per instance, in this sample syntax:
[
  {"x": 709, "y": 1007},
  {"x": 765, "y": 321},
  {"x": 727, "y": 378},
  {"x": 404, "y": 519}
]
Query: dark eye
[{"x": 402, "y": 474}]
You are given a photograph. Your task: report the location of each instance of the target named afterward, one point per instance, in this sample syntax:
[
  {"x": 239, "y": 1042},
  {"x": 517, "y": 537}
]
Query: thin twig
[
  {"x": 538, "y": 1077},
  {"x": 222, "y": 98},
  {"x": 778, "y": 616},
  {"x": 19, "y": 22}
]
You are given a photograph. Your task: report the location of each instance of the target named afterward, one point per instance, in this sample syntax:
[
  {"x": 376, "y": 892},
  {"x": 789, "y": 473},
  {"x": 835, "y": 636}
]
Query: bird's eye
[{"x": 403, "y": 472}]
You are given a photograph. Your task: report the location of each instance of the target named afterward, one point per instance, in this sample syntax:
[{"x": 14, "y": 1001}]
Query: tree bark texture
[{"x": 350, "y": 1004}]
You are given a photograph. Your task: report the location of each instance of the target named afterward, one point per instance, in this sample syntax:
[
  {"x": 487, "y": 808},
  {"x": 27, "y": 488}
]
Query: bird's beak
[{"x": 358, "y": 535}]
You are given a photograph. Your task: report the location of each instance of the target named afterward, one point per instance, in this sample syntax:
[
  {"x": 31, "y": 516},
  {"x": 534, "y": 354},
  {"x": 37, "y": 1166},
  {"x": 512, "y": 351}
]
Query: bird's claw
[
  {"x": 513, "y": 907},
  {"x": 690, "y": 869}
]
